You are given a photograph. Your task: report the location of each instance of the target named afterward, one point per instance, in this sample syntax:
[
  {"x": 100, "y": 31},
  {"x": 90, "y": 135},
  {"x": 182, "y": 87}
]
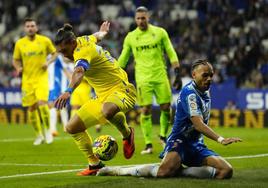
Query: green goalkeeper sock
[
  {"x": 164, "y": 123},
  {"x": 146, "y": 126}
]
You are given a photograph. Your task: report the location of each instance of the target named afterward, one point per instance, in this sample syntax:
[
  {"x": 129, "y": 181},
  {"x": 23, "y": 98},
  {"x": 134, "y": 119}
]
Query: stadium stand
[{"x": 232, "y": 34}]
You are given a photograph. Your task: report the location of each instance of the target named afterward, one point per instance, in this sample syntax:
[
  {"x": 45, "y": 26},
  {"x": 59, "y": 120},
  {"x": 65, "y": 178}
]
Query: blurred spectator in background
[
  {"x": 236, "y": 29},
  {"x": 185, "y": 74}
]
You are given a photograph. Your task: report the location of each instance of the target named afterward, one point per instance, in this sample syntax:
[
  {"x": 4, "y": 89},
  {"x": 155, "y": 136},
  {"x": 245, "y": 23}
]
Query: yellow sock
[
  {"x": 119, "y": 120},
  {"x": 73, "y": 112},
  {"x": 44, "y": 112},
  {"x": 84, "y": 143},
  {"x": 35, "y": 121}
]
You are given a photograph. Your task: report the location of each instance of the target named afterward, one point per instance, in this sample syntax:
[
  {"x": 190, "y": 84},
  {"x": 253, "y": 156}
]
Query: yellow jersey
[
  {"x": 104, "y": 74},
  {"x": 33, "y": 54}
]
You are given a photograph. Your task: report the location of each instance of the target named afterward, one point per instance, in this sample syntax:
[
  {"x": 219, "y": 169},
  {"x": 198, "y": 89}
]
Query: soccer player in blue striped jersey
[
  {"x": 58, "y": 83},
  {"x": 185, "y": 144}
]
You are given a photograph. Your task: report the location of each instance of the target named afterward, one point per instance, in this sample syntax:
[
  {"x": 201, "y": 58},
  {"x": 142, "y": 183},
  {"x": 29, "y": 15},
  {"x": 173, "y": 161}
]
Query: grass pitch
[{"x": 55, "y": 165}]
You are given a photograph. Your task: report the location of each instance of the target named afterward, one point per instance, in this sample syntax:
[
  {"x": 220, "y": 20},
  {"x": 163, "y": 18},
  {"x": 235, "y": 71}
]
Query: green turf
[{"x": 16, "y": 149}]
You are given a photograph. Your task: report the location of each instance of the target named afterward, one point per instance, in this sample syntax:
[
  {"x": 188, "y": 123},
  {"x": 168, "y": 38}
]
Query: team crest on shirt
[
  {"x": 192, "y": 97},
  {"x": 193, "y": 106},
  {"x": 192, "y": 102}
]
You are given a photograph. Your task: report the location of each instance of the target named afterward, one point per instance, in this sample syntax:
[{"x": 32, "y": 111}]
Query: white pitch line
[
  {"x": 248, "y": 156},
  {"x": 30, "y": 139},
  {"x": 52, "y": 165},
  {"x": 39, "y": 173},
  {"x": 75, "y": 170}
]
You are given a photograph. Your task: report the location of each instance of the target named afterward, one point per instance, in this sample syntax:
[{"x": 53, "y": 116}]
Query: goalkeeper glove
[{"x": 177, "y": 84}]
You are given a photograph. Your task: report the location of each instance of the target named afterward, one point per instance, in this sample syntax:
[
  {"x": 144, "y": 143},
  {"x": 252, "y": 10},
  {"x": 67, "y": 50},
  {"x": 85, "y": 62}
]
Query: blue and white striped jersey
[
  {"x": 58, "y": 81},
  {"x": 191, "y": 102}
]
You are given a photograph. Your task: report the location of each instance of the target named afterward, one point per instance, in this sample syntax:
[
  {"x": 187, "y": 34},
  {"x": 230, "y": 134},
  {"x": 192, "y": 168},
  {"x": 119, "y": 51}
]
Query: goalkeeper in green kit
[{"x": 148, "y": 44}]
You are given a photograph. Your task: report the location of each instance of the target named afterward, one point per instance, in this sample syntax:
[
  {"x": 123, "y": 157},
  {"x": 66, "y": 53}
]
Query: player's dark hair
[
  {"x": 199, "y": 62},
  {"x": 141, "y": 9},
  {"x": 28, "y": 19},
  {"x": 64, "y": 34}
]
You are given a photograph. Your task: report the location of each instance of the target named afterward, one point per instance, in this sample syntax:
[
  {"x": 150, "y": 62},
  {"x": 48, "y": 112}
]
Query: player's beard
[{"x": 31, "y": 35}]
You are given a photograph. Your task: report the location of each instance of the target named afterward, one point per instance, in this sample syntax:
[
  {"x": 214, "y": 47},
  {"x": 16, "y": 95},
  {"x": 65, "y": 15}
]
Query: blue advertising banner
[
  {"x": 10, "y": 97},
  {"x": 255, "y": 99},
  {"x": 251, "y": 108},
  {"x": 252, "y": 99}
]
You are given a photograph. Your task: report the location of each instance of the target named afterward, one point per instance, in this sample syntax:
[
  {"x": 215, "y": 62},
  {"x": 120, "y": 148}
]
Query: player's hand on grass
[
  {"x": 227, "y": 141},
  {"x": 62, "y": 100}
]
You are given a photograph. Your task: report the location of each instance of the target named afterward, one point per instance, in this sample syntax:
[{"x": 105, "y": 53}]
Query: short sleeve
[
  {"x": 50, "y": 47},
  {"x": 16, "y": 53},
  {"x": 191, "y": 106}
]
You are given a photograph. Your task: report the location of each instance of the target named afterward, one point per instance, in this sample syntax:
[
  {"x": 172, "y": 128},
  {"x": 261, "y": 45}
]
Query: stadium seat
[
  {"x": 2, "y": 28},
  {"x": 125, "y": 22},
  {"x": 109, "y": 12}
]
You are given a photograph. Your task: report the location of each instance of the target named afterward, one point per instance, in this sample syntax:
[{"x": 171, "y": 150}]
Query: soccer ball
[{"x": 105, "y": 147}]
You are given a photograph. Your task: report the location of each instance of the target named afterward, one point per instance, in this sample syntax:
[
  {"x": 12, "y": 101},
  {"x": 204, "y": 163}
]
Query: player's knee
[
  {"x": 165, "y": 107},
  {"x": 146, "y": 110},
  {"x": 225, "y": 173},
  {"x": 228, "y": 173},
  {"x": 164, "y": 172},
  {"x": 108, "y": 114},
  {"x": 69, "y": 129},
  {"x": 74, "y": 128}
]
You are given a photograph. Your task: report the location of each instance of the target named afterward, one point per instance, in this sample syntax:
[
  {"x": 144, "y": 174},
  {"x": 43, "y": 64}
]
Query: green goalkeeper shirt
[{"x": 148, "y": 50}]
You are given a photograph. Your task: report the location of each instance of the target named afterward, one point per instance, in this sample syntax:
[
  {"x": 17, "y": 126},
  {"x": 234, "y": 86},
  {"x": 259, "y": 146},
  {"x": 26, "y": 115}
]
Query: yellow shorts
[
  {"x": 81, "y": 94},
  {"x": 33, "y": 92},
  {"x": 91, "y": 112}
]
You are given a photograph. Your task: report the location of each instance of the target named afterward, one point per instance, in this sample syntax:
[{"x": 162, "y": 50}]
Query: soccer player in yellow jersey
[
  {"x": 29, "y": 58},
  {"x": 80, "y": 96},
  {"x": 115, "y": 95}
]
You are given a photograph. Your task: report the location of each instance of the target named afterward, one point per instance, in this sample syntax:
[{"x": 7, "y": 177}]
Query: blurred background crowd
[{"x": 232, "y": 34}]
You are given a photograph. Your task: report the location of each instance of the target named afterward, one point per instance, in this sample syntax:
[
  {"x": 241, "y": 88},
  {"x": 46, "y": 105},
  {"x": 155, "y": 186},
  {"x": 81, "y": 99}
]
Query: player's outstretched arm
[
  {"x": 76, "y": 79},
  {"x": 200, "y": 126},
  {"x": 104, "y": 29},
  {"x": 227, "y": 141}
]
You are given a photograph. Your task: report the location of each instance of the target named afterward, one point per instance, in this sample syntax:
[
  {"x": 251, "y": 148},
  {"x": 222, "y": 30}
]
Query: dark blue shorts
[{"x": 192, "y": 154}]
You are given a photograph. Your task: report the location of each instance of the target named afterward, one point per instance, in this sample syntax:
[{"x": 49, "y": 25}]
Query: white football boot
[
  {"x": 48, "y": 136},
  {"x": 39, "y": 140}
]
